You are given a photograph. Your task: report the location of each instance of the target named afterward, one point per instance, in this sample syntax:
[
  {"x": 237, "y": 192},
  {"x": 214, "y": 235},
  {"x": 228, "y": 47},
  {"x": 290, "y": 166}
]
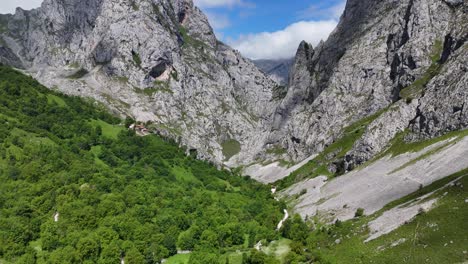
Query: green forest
[{"x": 76, "y": 187}]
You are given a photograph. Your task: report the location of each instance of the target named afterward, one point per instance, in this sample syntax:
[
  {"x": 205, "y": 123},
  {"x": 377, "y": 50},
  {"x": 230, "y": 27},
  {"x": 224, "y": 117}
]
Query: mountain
[
  {"x": 367, "y": 146},
  {"x": 278, "y": 70},
  {"x": 381, "y": 78},
  {"x": 381, "y": 104},
  {"x": 159, "y": 61},
  {"x": 156, "y": 61},
  {"x": 385, "y": 70},
  {"x": 79, "y": 187}
]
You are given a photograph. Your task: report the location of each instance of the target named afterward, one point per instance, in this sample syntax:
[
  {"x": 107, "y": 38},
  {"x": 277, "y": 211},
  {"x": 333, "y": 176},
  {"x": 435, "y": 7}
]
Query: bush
[
  {"x": 338, "y": 223},
  {"x": 359, "y": 212}
]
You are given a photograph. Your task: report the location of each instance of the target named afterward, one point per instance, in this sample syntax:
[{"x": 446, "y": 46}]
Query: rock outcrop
[
  {"x": 153, "y": 60},
  {"x": 405, "y": 60},
  {"x": 159, "y": 61}
]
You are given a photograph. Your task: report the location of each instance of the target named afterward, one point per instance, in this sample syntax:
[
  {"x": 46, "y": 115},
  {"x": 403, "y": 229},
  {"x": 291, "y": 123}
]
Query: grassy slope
[
  {"x": 435, "y": 237},
  {"x": 155, "y": 180},
  {"x": 51, "y": 98},
  {"x": 108, "y": 130},
  {"x": 178, "y": 259}
]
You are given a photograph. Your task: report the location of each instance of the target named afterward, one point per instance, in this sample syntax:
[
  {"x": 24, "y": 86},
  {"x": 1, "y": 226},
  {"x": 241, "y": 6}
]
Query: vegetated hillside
[
  {"x": 159, "y": 61},
  {"x": 76, "y": 187},
  {"x": 79, "y": 188},
  {"x": 435, "y": 236}
]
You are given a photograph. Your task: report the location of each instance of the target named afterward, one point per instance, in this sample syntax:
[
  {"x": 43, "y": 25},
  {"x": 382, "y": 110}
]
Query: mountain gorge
[
  {"x": 160, "y": 61},
  {"x": 359, "y": 135},
  {"x": 381, "y": 54},
  {"x": 154, "y": 61}
]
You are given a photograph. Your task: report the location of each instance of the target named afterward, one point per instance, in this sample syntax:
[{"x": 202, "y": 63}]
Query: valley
[{"x": 131, "y": 134}]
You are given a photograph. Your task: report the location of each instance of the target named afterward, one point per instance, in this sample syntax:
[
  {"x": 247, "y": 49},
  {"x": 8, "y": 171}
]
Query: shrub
[
  {"x": 338, "y": 223},
  {"x": 359, "y": 212}
]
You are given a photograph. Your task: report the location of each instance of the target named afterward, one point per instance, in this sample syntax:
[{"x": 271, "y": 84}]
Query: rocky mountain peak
[
  {"x": 153, "y": 60},
  {"x": 382, "y": 53},
  {"x": 159, "y": 61},
  {"x": 303, "y": 60},
  {"x": 277, "y": 69}
]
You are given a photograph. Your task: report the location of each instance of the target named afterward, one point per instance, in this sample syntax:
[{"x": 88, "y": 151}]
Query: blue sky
[
  {"x": 270, "y": 29},
  {"x": 257, "y": 16},
  {"x": 259, "y": 29}
]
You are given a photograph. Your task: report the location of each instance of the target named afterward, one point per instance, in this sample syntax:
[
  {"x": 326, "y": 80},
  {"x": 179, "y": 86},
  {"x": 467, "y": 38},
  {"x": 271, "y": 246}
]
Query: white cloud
[
  {"x": 222, "y": 3},
  {"x": 9, "y": 6},
  {"x": 283, "y": 43}
]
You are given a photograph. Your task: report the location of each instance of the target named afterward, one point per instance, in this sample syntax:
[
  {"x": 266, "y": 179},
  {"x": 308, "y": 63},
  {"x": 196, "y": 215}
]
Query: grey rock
[
  {"x": 154, "y": 60},
  {"x": 443, "y": 107},
  {"x": 378, "y": 49},
  {"x": 159, "y": 61},
  {"x": 454, "y": 3},
  {"x": 278, "y": 70}
]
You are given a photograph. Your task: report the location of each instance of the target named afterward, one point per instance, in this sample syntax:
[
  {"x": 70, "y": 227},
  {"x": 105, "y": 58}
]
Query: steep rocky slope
[
  {"x": 402, "y": 64},
  {"x": 389, "y": 66},
  {"x": 385, "y": 180},
  {"x": 383, "y": 107},
  {"x": 155, "y": 61}
]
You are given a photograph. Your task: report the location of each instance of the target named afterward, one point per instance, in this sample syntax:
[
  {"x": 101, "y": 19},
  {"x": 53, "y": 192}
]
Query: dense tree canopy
[{"x": 78, "y": 188}]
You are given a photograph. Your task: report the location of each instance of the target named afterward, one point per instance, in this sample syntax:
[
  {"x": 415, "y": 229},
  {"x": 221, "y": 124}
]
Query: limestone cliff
[
  {"x": 153, "y": 60},
  {"x": 404, "y": 60},
  {"x": 403, "y": 63}
]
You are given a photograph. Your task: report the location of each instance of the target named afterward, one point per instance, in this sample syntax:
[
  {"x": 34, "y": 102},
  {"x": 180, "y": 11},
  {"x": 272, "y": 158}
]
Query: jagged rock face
[
  {"x": 300, "y": 79},
  {"x": 159, "y": 61},
  {"x": 378, "y": 49},
  {"x": 443, "y": 108},
  {"x": 155, "y": 60}
]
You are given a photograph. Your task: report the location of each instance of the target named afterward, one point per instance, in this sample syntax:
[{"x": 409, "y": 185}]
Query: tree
[
  {"x": 133, "y": 256},
  {"x": 88, "y": 248},
  {"x": 258, "y": 257},
  {"x": 28, "y": 257},
  {"x": 204, "y": 258},
  {"x": 295, "y": 229},
  {"x": 209, "y": 239},
  {"x": 49, "y": 236},
  {"x": 107, "y": 235},
  {"x": 188, "y": 238},
  {"x": 66, "y": 255},
  {"x": 129, "y": 121},
  {"x": 111, "y": 254}
]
